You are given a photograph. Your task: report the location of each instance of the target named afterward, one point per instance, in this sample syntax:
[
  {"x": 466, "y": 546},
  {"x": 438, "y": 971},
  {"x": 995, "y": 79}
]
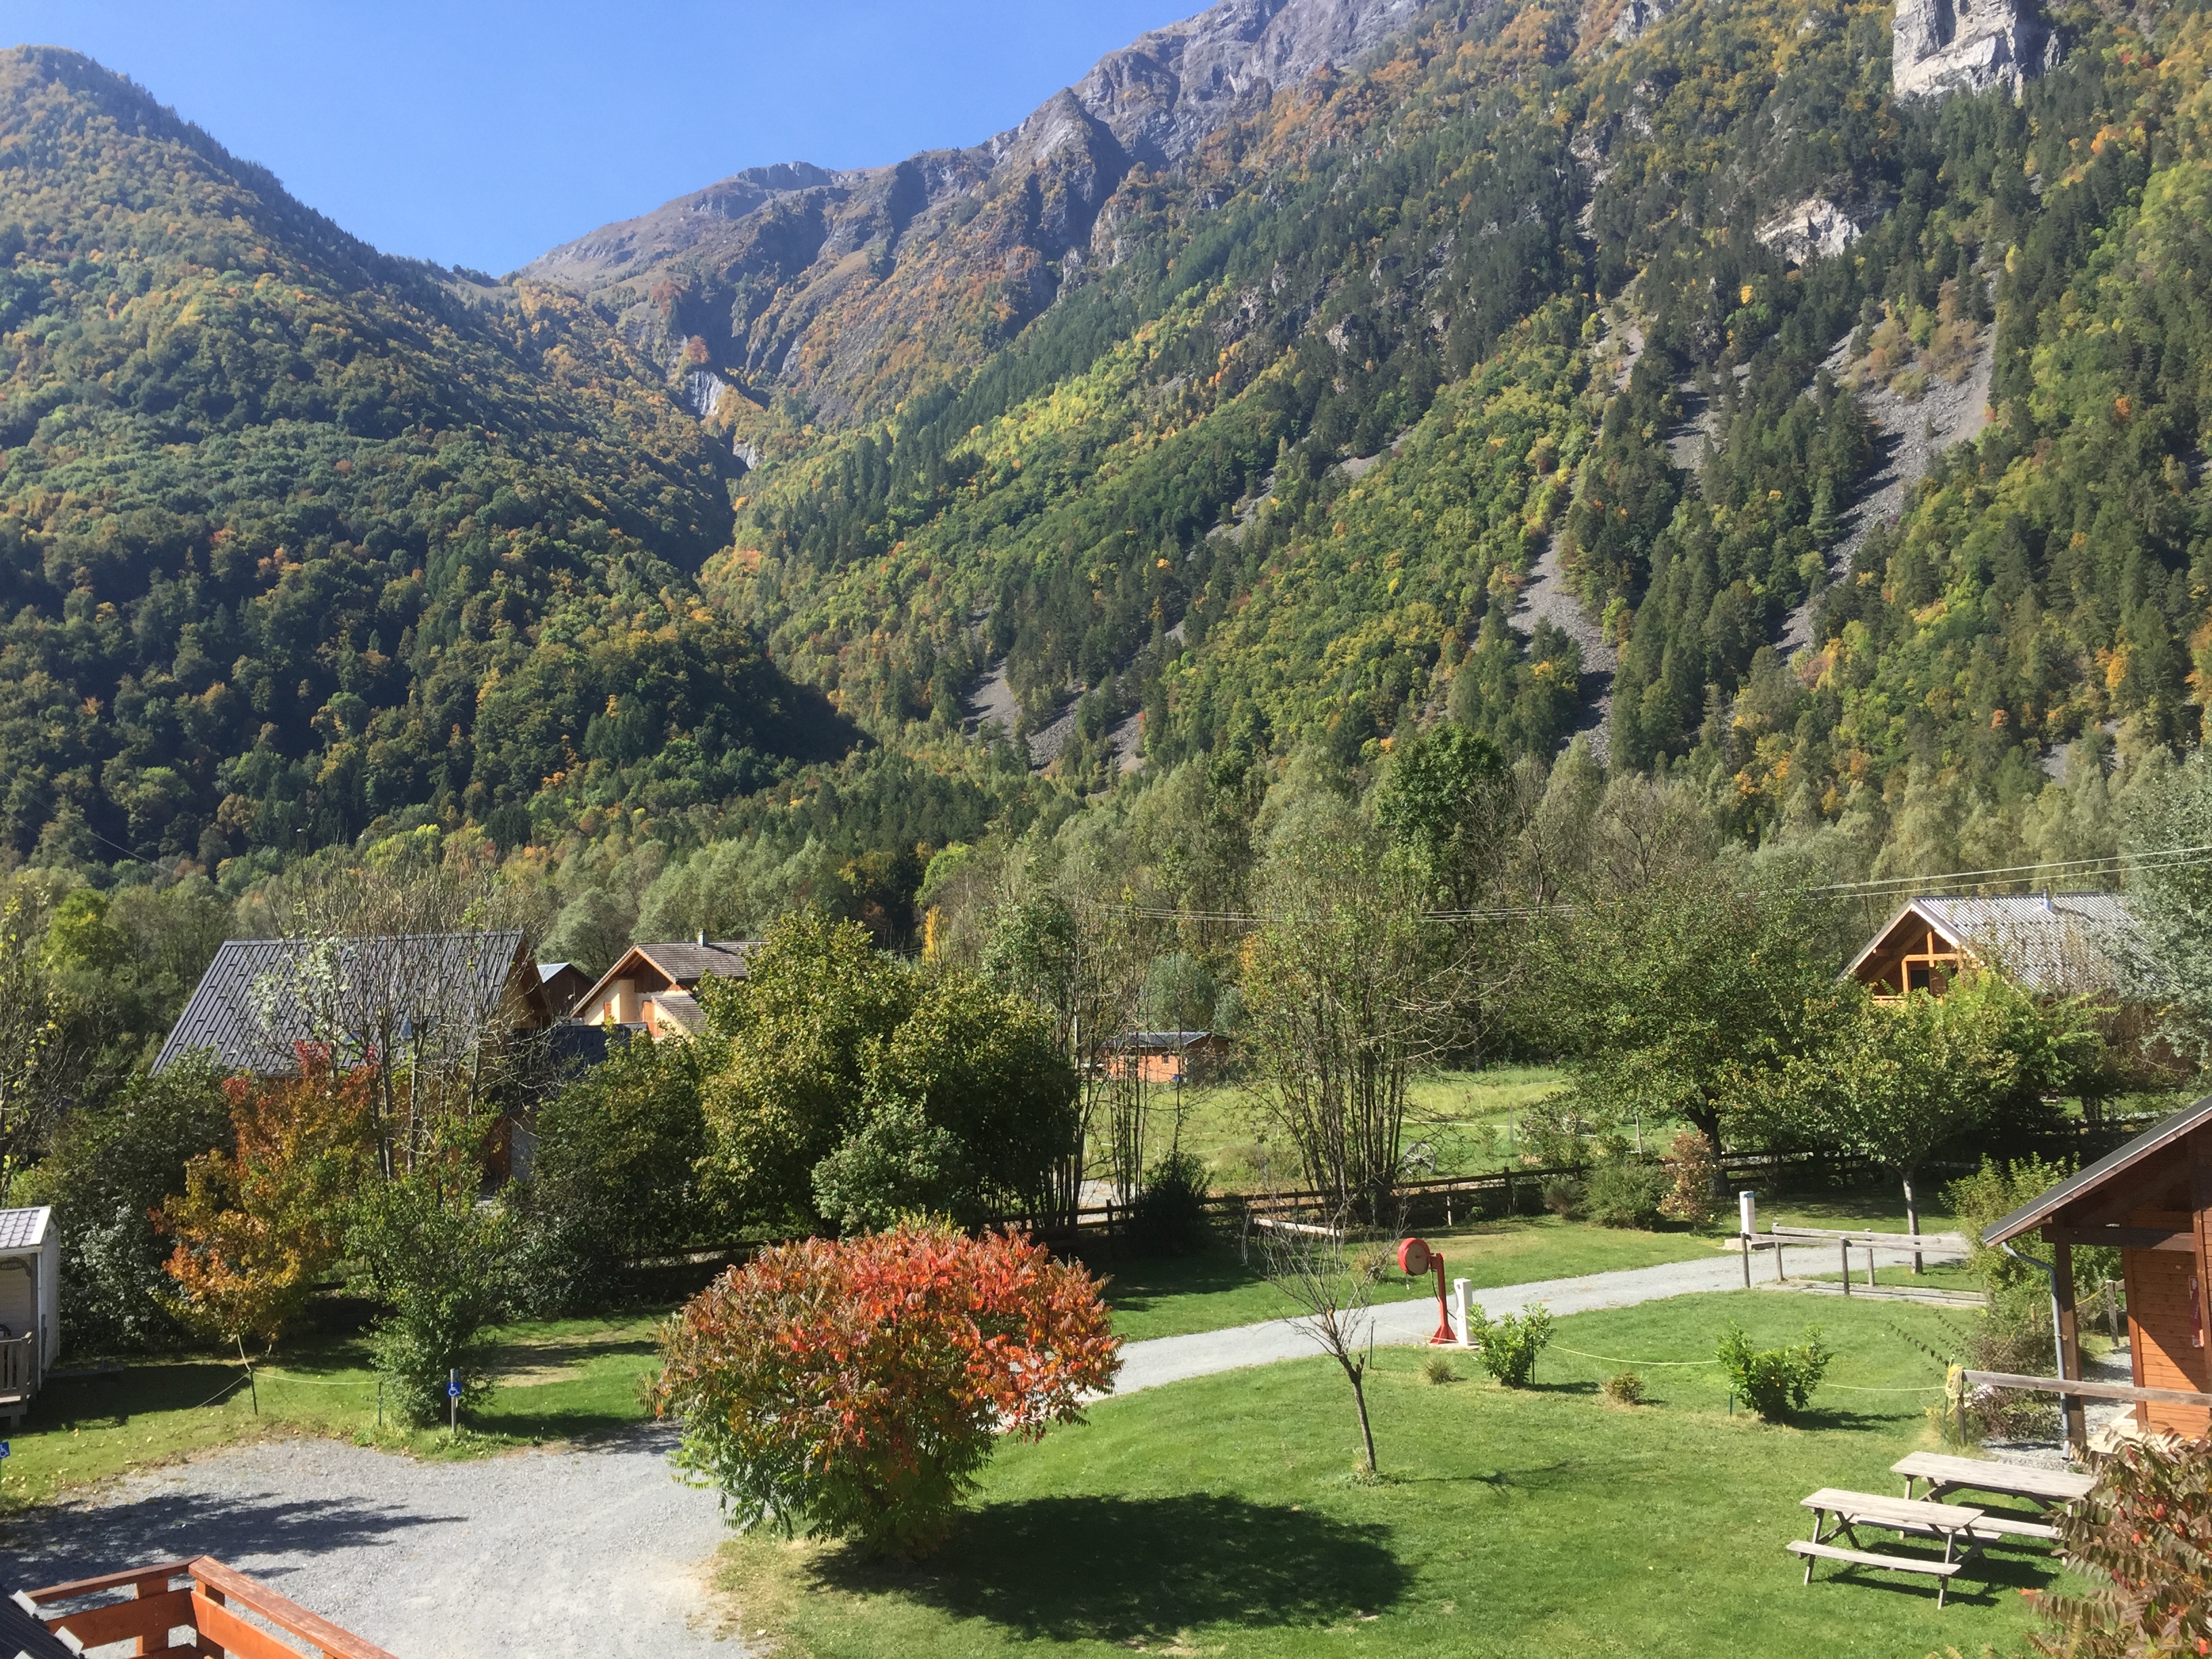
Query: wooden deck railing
[
  {"x": 209, "y": 1612},
  {"x": 19, "y": 1365}
]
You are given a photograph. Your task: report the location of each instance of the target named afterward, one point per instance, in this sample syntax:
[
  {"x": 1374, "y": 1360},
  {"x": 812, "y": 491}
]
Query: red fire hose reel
[{"x": 1416, "y": 1258}]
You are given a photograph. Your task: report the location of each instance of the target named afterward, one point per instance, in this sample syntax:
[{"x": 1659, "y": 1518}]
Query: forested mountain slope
[
  {"x": 1360, "y": 346},
  {"x": 294, "y": 535},
  {"x": 1506, "y": 260}
]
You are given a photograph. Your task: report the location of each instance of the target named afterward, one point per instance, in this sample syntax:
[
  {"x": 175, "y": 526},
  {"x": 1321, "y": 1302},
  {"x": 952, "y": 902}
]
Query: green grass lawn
[
  {"x": 1219, "y": 1516},
  {"x": 558, "y": 1380},
  {"x": 1218, "y": 1289}
]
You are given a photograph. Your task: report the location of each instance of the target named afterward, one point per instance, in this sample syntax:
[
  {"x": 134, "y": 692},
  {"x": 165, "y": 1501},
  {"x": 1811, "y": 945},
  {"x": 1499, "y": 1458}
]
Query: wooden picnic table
[
  {"x": 1945, "y": 1474},
  {"x": 1955, "y": 1524}
]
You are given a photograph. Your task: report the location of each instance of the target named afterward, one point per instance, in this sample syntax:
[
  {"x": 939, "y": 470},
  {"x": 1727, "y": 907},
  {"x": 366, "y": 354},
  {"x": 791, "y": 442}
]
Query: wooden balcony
[
  {"x": 19, "y": 1376},
  {"x": 216, "y": 1612}
]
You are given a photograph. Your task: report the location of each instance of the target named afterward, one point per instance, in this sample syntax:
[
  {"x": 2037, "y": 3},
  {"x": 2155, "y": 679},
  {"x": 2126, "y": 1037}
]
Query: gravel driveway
[{"x": 532, "y": 1555}]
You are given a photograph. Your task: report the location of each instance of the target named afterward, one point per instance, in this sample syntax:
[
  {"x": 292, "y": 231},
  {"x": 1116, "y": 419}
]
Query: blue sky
[{"x": 480, "y": 133}]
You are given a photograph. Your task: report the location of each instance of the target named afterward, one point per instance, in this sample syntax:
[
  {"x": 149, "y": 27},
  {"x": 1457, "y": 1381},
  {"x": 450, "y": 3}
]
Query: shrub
[
  {"x": 1510, "y": 1345},
  {"x": 858, "y": 1385},
  {"x": 1692, "y": 1198},
  {"x": 897, "y": 1164},
  {"x": 1438, "y": 1369},
  {"x": 1170, "y": 1218},
  {"x": 1563, "y": 1196},
  {"x": 1623, "y": 1389},
  {"x": 2146, "y": 1531},
  {"x": 111, "y": 1167},
  {"x": 1774, "y": 1381},
  {"x": 613, "y": 1174},
  {"x": 256, "y": 1228},
  {"x": 1625, "y": 1192},
  {"x": 441, "y": 1264}
]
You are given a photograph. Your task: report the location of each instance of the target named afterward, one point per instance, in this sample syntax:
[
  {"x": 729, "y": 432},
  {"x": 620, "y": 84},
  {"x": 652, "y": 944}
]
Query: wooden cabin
[
  {"x": 1167, "y": 1056},
  {"x": 565, "y": 984},
  {"x": 651, "y": 986},
  {"x": 2054, "y": 944},
  {"x": 2152, "y": 1200}
]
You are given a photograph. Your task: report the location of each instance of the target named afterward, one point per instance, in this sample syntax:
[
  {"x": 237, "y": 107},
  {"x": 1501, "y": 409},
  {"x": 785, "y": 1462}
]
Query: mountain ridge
[{"x": 788, "y": 277}]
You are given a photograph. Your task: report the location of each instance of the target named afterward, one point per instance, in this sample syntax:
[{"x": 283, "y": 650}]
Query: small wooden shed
[
  {"x": 30, "y": 1305},
  {"x": 2152, "y": 1200}
]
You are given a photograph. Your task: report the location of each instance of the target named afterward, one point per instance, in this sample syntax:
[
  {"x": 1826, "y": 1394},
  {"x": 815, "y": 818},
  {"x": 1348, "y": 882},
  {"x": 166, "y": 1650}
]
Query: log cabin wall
[{"x": 2169, "y": 1324}]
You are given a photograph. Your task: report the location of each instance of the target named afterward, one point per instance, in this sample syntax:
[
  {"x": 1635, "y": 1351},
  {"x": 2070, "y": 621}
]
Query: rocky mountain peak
[{"x": 1942, "y": 46}]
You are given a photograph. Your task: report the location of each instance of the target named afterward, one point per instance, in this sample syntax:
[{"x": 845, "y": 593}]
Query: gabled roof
[
  {"x": 683, "y": 962},
  {"x": 24, "y": 1230},
  {"x": 245, "y": 1013},
  {"x": 2107, "y": 1168},
  {"x": 1158, "y": 1039},
  {"x": 2055, "y": 943}
]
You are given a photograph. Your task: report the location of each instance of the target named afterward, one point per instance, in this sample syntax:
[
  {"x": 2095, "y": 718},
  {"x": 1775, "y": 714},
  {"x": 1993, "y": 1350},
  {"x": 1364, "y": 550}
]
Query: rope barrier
[
  {"x": 243, "y": 1377},
  {"x": 319, "y": 1383},
  {"x": 1655, "y": 1364}
]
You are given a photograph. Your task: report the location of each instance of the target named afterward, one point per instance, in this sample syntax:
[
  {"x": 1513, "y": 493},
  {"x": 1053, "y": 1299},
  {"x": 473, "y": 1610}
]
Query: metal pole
[
  {"x": 453, "y": 1402},
  {"x": 1746, "y": 1240},
  {"x": 1844, "y": 1244}
]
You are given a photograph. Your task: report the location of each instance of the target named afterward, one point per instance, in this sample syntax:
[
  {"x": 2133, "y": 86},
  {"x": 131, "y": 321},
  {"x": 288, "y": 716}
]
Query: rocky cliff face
[
  {"x": 1941, "y": 47},
  {"x": 828, "y": 283}
]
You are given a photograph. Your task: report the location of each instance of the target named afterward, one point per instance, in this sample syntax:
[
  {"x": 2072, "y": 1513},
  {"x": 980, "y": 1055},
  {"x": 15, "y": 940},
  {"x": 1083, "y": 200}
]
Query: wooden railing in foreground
[{"x": 212, "y": 1607}]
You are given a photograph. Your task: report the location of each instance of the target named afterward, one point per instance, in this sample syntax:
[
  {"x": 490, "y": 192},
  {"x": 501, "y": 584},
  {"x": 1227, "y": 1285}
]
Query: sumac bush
[
  {"x": 857, "y": 1386},
  {"x": 2146, "y": 1532}
]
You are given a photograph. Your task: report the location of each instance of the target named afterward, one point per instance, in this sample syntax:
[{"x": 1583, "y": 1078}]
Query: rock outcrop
[
  {"x": 828, "y": 282},
  {"x": 1809, "y": 229},
  {"x": 1942, "y": 46}
]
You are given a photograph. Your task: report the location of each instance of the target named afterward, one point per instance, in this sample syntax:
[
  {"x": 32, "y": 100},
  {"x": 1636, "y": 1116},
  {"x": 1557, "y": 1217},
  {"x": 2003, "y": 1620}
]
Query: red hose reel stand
[{"x": 1415, "y": 1258}]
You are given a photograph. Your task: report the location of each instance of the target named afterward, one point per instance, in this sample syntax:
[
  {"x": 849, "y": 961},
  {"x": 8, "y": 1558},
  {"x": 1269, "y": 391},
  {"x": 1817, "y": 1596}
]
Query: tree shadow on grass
[{"x": 1140, "y": 1569}]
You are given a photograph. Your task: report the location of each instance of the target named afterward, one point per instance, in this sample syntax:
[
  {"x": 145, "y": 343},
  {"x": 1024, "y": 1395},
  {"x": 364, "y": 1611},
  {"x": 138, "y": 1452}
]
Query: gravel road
[{"x": 528, "y": 1556}]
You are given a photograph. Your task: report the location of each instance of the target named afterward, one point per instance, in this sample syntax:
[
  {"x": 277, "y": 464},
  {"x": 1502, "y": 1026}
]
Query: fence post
[{"x": 1844, "y": 1245}]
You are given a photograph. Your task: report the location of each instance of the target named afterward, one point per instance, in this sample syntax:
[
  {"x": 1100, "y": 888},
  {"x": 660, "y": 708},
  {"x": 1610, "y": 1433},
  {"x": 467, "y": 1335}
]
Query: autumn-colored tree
[
  {"x": 859, "y": 1386},
  {"x": 2146, "y": 1532},
  {"x": 258, "y": 1228}
]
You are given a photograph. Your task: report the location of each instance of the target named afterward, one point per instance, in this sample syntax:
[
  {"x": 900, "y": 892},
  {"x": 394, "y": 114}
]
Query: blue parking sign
[{"x": 453, "y": 1390}]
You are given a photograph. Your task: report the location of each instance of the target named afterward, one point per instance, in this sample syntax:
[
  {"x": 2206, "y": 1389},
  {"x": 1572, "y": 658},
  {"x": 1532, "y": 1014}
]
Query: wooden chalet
[
  {"x": 2152, "y": 1199},
  {"x": 565, "y": 984},
  {"x": 215, "y": 1611},
  {"x": 2054, "y": 944},
  {"x": 1167, "y": 1056},
  {"x": 650, "y": 988},
  {"x": 248, "y": 1012}
]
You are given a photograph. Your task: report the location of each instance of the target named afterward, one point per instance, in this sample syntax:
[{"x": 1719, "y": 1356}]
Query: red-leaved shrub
[
  {"x": 858, "y": 1386},
  {"x": 2146, "y": 1532}
]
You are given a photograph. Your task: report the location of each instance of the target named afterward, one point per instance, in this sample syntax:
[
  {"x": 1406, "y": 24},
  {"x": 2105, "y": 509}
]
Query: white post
[
  {"x": 1747, "y": 1212},
  {"x": 1462, "y": 1291}
]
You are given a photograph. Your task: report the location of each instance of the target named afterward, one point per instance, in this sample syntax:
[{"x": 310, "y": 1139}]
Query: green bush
[
  {"x": 111, "y": 1166},
  {"x": 898, "y": 1165},
  {"x": 1509, "y": 1345},
  {"x": 1170, "y": 1218},
  {"x": 442, "y": 1265},
  {"x": 1625, "y": 1192},
  {"x": 1623, "y": 1389},
  {"x": 1564, "y": 1196},
  {"x": 1774, "y": 1381}
]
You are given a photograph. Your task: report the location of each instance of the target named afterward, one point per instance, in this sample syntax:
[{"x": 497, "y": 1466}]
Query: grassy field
[
  {"x": 1220, "y": 1516},
  {"x": 1464, "y": 1118},
  {"x": 559, "y": 1380}
]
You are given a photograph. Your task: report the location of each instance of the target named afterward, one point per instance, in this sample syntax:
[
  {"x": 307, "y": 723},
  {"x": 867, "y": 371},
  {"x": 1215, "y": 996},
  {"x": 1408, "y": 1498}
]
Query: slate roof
[
  {"x": 226, "y": 1014},
  {"x": 2116, "y": 1163},
  {"x": 23, "y": 1230},
  {"x": 2057, "y": 944}
]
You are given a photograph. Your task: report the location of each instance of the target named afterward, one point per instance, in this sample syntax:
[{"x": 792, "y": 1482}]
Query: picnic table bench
[
  {"x": 1946, "y": 1473},
  {"x": 1954, "y": 1523}
]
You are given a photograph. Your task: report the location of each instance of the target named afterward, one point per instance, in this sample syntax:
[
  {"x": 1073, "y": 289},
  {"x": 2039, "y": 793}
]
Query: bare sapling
[{"x": 1309, "y": 1261}]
